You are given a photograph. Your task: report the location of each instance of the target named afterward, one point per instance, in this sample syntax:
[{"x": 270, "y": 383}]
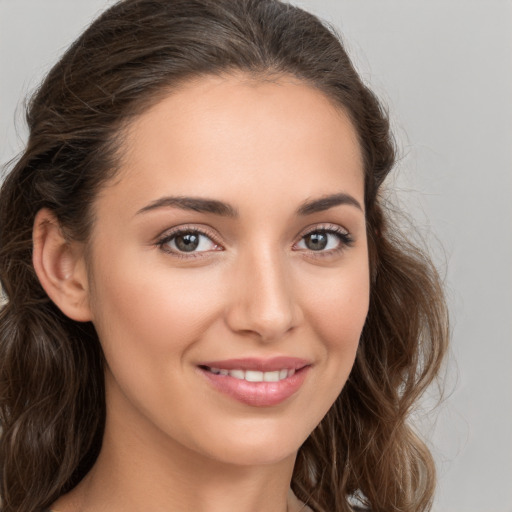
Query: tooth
[
  {"x": 237, "y": 374},
  {"x": 253, "y": 376},
  {"x": 271, "y": 376}
]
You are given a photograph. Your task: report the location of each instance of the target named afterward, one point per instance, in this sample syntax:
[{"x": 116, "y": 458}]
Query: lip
[{"x": 257, "y": 394}]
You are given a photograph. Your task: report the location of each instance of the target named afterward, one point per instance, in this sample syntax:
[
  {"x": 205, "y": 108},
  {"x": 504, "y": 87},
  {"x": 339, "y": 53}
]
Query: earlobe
[{"x": 60, "y": 267}]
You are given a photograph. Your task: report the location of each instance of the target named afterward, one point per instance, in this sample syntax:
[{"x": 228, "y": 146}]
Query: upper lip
[{"x": 259, "y": 364}]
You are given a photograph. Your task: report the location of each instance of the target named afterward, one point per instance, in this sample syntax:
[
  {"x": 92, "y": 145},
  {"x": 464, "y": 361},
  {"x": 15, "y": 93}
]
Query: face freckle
[{"x": 234, "y": 233}]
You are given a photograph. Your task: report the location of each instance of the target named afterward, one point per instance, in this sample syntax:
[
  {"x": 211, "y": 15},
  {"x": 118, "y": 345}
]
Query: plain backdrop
[{"x": 444, "y": 68}]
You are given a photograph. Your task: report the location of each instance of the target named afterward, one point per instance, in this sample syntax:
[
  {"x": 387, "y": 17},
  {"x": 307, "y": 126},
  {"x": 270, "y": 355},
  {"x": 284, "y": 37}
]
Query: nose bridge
[{"x": 264, "y": 303}]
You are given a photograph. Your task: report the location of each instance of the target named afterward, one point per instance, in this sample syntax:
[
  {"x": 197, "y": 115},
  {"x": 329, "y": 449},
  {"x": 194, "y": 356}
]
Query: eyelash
[
  {"x": 344, "y": 238},
  {"x": 167, "y": 238}
]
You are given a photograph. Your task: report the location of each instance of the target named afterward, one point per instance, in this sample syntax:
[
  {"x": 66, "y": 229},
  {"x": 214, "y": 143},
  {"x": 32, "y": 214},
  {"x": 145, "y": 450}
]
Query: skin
[{"x": 172, "y": 441}]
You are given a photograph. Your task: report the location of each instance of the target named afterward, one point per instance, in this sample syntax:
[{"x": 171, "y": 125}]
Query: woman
[{"x": 207, "y": 305}]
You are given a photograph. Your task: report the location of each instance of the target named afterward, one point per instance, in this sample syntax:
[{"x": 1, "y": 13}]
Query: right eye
[{"x": 187, "y": 241}]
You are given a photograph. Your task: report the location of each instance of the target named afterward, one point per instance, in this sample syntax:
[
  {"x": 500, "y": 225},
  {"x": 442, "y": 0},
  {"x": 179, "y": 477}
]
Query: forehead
[{"x": 216, "y": 136}]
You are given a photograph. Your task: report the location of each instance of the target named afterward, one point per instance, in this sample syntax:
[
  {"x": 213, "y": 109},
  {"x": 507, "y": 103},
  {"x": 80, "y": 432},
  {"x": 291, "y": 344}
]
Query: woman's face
[{"x": 229, "y": 275}]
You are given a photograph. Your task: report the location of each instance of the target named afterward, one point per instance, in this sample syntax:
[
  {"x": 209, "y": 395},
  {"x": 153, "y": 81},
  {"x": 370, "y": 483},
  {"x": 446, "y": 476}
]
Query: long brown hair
[{"x": 52, "y": 405}]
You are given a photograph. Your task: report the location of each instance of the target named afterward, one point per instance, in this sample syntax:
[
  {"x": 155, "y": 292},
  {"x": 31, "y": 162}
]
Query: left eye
[
  {"x": 322, "y": 241},
  {"x": 189, "y": 241}
]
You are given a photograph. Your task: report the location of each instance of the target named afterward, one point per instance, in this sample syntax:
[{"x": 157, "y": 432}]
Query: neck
[{"x": 141, "y": 481}]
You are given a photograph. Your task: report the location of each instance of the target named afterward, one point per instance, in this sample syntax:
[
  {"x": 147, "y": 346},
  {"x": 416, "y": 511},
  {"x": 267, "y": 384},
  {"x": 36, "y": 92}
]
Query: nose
[{"x": 263, "y": 303}]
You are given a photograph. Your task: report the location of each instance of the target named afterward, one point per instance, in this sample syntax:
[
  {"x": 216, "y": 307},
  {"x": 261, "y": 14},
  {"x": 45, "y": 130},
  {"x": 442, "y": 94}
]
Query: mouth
[
  {"x": 252, "y": 375},
  {"x": 256, "y": 382}
]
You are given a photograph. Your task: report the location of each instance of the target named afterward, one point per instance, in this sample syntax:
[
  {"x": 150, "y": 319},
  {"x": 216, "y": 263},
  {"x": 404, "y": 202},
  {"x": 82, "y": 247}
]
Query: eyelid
[
  {"x": 169, "y": 234},
  {"x": 324, "y": 227},
  {"x": 345, "y": 238}
]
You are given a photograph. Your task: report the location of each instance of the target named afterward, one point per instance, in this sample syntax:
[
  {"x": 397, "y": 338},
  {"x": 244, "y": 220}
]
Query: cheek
[
  {"x": 336, "y": 311},
  {"x": 339, "y": 307},
  {"x": 152, "y": 308}
]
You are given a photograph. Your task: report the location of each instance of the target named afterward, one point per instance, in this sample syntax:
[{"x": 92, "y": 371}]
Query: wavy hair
[{"x": 52, "y": 404}]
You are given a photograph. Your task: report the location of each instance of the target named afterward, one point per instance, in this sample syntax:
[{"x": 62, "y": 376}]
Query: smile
[
  {"x": 254, "y": 375},
  {"x": 257, "y": 382}
]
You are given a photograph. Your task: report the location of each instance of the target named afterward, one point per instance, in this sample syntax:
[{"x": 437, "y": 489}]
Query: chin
[
  {"x": 257, "y": 446},
  {"x": 257, "y": 455}
]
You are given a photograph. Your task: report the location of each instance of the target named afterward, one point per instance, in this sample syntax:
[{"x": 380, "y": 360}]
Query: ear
[{"x": 60, "y": 267}]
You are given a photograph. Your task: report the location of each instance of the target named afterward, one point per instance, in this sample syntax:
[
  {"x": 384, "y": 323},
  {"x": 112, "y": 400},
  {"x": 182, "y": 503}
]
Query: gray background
[{"x": 444, "y": 69}]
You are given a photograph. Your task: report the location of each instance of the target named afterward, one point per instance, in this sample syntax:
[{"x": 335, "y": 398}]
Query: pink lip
[{"x": 257, "y": 394}]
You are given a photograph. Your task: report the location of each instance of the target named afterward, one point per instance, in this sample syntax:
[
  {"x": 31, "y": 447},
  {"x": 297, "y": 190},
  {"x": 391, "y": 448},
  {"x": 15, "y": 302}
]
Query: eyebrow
[
  {"x": 326, "y": 202},
  {"x": 205, "y": 205},
  {"x": 197, "y": 204}
]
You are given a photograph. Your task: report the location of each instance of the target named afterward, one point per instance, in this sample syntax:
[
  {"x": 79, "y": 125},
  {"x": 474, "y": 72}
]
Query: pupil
[
  {"x": 188, "y": 242},
  {"x": 316, "y": 241}
]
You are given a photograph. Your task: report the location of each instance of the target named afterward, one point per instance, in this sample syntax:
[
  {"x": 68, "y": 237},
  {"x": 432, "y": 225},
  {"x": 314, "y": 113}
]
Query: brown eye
[
  {"x": 316, "y": 241},
  {"x": 325, "y": 240},
  {"x": 189, "y": 241}
]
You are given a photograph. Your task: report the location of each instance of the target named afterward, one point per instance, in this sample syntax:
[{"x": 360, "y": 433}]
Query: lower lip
[{"x": 257, "y": 394}]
